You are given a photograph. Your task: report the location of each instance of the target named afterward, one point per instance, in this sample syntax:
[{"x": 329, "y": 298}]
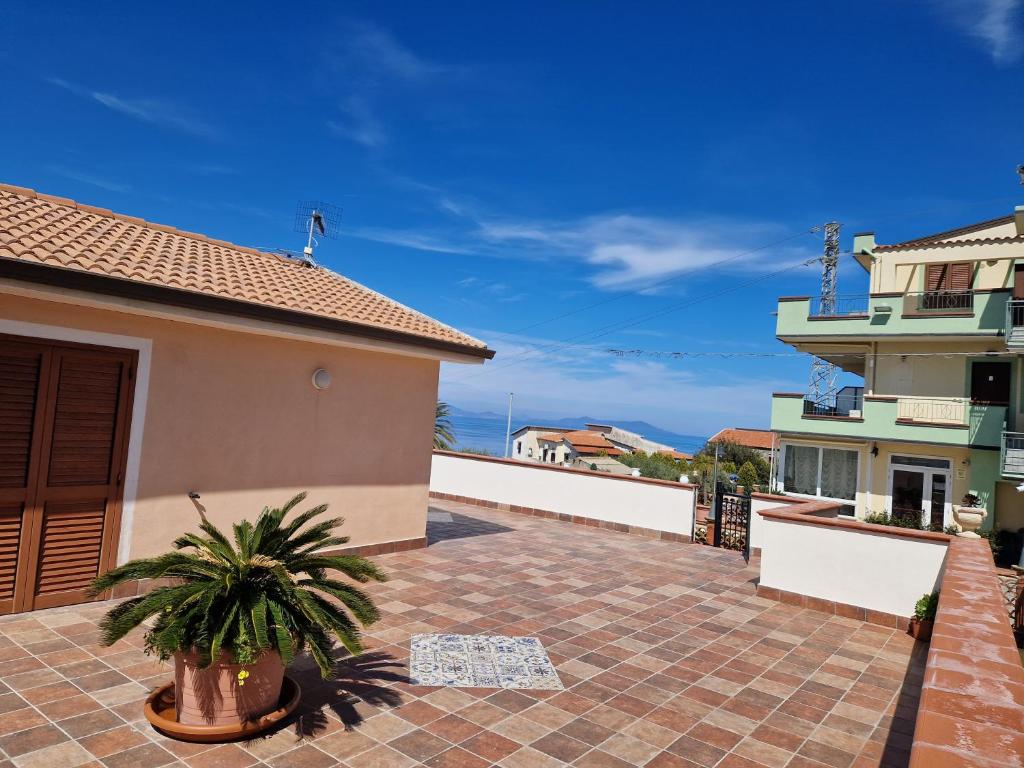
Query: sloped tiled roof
[
  {"x": 960, "y": 236},
  {"x": 586, "y": 441},
  {"x": 751, "y": 438},
  {"x": 56, "y": 232},
  {"x": 677, "y": 455}
]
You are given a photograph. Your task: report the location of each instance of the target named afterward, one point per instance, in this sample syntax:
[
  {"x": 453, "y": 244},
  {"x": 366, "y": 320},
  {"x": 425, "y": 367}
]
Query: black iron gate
[{"x": 732, "y": 521}]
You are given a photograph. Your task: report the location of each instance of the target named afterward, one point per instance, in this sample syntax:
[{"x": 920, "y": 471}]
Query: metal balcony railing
[
  {"x": 846, "y": 404},
  {"x": 942, "y": 301},
  {"x": 1014, "y": 314},
  {"x": 1012, "y": 454},
  {"x": 935, "y": 410},
  {"x": 848, "y": 304}
]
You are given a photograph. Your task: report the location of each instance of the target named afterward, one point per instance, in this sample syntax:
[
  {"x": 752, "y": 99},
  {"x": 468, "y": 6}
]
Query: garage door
[{"x": 64, "y": 415}]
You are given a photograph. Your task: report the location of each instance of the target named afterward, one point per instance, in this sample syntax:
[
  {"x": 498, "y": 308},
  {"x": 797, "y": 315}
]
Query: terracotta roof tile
[
  {"x": 751, "y": 438},
  {"x": 945, "y": 239},
  {"x": 61, "y": 233}
]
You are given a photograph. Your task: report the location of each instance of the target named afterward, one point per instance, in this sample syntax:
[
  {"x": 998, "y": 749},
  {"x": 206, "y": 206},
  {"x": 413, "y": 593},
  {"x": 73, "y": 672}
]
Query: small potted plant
[
  {"x": 970, "y": 513},
  {"x": 236, "y": 612},
  {"x": 923, "y": 620}
]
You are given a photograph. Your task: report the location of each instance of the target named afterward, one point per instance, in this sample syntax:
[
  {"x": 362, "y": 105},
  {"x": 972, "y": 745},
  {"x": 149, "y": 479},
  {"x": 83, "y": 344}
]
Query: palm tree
[
  {"x": 267, "y": 590},
  {"x": 444, "y": 438}
]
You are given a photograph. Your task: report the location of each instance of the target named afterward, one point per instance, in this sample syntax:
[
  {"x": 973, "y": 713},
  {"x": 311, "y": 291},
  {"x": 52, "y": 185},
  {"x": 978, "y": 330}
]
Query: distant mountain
[{"x": 486, "y": 429}]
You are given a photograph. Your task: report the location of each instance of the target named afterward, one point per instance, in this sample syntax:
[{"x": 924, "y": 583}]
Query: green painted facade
[
  {"x": 984, "y": 430},
  {"x": 988, "y": 319},
  {"x": 985, "y": 472}
]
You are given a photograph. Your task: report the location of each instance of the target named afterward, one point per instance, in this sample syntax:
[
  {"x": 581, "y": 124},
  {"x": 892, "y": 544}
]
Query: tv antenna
[{"x": 314, "y": 219}]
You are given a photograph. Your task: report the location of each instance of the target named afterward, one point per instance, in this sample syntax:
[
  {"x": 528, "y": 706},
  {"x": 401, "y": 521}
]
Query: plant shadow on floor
[{"x": 360, "y": 687}]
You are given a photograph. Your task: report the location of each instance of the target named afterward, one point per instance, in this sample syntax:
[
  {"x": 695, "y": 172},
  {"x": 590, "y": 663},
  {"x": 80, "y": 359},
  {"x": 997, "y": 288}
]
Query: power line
[
  {"x": 602, "y": 331},
  {"x": 701, "y": 353}
]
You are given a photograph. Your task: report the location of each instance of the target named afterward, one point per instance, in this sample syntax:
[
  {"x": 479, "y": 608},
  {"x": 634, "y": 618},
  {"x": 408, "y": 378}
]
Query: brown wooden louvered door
[{"x": 63, "y": 445}]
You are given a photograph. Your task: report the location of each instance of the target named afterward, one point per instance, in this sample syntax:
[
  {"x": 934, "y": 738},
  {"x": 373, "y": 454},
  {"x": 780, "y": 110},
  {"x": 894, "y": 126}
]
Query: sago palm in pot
[{"x": 236, "y": 612}]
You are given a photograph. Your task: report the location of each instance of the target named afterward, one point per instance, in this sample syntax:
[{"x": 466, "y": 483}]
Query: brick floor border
[{"x": 880, "y": 618}]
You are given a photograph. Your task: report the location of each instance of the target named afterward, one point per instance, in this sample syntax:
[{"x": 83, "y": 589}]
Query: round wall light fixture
[{"x": 321, "y": 378}]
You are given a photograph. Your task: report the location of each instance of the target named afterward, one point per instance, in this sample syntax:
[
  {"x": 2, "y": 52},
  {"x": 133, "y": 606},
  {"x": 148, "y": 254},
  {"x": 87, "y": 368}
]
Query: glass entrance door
[
  {"x": 937, "y": 503},
  {"x": 919, "y": 492},
  {"x": 908, "y": 489}
]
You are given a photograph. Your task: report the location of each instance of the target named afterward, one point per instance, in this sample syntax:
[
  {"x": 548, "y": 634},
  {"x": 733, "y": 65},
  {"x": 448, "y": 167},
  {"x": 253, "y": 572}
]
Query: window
[
  {"x": 529, "y": 452},
  {"x": 947, "y": 287},
  {"x": 948, "y": 277},
  {"x": 825, "y": 472},
  {"x": 519, "y": 446}
]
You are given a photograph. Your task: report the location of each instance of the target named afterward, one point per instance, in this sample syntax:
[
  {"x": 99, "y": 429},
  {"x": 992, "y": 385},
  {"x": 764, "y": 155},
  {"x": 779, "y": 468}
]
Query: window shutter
[
  {"x": 960, "y": 276},
  {"x": 935, "y": 277},
  {"x": 20, "y": 370},
  {"x": 948, "y": 277}
]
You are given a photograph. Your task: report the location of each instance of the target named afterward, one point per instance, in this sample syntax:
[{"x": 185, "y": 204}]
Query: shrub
[
  {"x": 748, "y": 477},
  {"x": 265, "y": 591},
  {"x": 925, "y": 608}
]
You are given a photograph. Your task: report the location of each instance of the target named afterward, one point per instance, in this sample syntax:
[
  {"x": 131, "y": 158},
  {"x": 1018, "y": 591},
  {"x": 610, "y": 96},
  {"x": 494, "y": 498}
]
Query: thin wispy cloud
[
  {"x": 686, "y": 399},
  {"x": 374, "y": 53},
  {"x": 371, "y": 67},
  {"x": 358, "y": 123},
  {"x": 84, "y": 177},
  {"x": 148, "y": 110},
  {"x": 625, "y": 252},
  {"x": 998, "y": 25}
]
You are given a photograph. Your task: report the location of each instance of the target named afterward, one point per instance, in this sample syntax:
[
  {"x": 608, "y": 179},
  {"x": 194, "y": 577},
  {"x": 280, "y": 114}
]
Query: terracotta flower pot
[
  {"x": 921, "y": 629},
  {"x": 215, "y": 696}
]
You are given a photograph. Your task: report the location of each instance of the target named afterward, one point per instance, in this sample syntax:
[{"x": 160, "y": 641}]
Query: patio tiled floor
[{"x": 668, "y": 658}]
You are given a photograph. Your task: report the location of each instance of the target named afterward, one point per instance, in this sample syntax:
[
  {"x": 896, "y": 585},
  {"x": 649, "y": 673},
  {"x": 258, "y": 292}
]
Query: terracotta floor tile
[
  {"x": 457, "y": 758},
  {"x": 31, "y": 739},
  {"x": 560, "y": 747},
  {"x": 306, "y": 756},
  {"x": 419, "y": 745},
  {"x": 670, "y": 638}
]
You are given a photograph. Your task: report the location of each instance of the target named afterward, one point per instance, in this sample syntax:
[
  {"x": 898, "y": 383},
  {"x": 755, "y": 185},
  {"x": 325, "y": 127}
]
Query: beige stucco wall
[
  {"x": 932, "y": 374},
  {"x": 873, "y": 471},
  {"x": 235, "y": 417},
  {"x": 903, "y": 270}
]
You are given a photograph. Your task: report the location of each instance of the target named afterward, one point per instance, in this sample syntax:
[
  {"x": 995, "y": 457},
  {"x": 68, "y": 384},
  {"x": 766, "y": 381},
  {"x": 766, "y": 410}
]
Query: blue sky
[{"x": 535, "y": 173}]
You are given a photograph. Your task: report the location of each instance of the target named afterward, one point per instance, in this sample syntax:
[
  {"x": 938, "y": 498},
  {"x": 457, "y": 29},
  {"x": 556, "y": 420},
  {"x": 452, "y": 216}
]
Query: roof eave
[{"x": 107, "y": 285}]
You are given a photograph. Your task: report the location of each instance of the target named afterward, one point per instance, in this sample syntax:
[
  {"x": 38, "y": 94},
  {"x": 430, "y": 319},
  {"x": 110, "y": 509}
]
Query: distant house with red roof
[
  {"x": 555, "y": 445},
  {"x": 762, "y": 440}
]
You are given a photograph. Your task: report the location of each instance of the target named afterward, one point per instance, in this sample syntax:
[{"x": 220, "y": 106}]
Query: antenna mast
[
  {"x": 824, "y": 376},
  {"x": 313, "y": 218}
]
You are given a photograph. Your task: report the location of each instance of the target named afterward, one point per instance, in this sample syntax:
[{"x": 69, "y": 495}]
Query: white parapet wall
[
  {"x": 655, "y": 505},
  {"x": 758, "y": 503},
  {"x": 853, "y": 564}
]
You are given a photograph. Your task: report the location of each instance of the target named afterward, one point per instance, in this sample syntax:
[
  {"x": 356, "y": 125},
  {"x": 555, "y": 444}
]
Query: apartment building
[{"x": 934, "y": 407}]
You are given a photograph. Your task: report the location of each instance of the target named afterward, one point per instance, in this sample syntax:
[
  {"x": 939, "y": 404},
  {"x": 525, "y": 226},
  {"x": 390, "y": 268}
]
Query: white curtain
[
  {"x": 801, "y": 474},
  {"x": 838, "y": 474}
]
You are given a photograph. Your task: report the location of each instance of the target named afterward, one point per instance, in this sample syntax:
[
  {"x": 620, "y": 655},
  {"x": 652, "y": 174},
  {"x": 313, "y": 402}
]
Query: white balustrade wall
[
  {"x": 637, "y": 502},
  {"x": 850, "y": 564}
]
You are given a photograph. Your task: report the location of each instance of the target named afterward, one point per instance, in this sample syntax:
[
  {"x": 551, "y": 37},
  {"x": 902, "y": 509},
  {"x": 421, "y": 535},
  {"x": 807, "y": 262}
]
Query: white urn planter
[{"x": 969, "y": 519}]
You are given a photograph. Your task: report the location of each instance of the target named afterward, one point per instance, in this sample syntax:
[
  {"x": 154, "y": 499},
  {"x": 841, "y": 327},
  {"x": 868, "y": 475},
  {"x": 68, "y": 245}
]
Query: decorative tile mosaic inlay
[{"x": 481, "y": 661}]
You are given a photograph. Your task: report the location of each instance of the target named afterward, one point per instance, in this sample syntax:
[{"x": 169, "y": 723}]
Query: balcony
[
  {"x": 942, "y": 421},
  {"x": 1011, "y": 454},
  {"x": 871, "y": 316},
  {"x": 1015, "y": 324}
]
